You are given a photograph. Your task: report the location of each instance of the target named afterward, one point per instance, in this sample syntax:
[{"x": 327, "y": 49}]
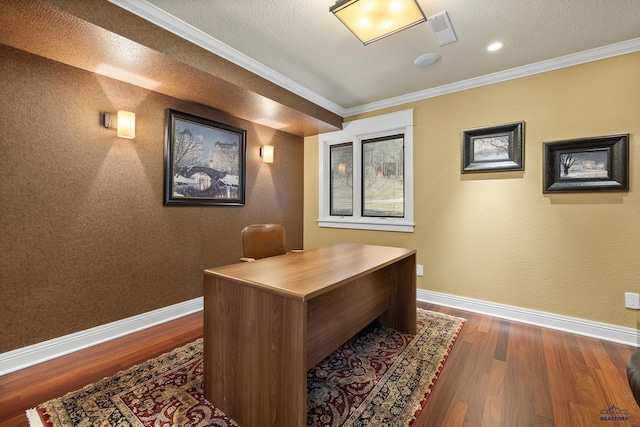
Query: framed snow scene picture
[
  {"x": 590, "y": 164},
  {"x": 493, "y": 149},
  {"x": 204, "y": 162}
]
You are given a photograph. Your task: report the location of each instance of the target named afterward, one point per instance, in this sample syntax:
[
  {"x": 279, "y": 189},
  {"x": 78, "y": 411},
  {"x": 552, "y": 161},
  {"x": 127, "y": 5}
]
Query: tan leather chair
[{"x": 262, "y": 241}]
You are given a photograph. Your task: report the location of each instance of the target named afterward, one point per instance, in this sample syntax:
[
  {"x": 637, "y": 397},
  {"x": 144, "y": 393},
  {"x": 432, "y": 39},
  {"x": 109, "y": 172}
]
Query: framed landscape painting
[
  {"x": 493, "y": 149},
  {"x": 592, "y": 164},
  {"x": 204, "y": 162}
]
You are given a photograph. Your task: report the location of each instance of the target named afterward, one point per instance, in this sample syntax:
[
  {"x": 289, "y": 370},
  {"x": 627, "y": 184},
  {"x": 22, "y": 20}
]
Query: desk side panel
[
  {"x": 254, "y": 354},
  {"x": 403, "y": 311}
]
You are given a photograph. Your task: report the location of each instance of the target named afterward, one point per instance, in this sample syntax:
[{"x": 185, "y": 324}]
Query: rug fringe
[{"x": 34, "y": 418}]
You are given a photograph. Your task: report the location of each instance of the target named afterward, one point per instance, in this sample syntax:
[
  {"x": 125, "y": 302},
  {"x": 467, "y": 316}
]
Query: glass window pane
[
  {"x": 383, "y": 177},
  {"x": 341, "y": 179}
]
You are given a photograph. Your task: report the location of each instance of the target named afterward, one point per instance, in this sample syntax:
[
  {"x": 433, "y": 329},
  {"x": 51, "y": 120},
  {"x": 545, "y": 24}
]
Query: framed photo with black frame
[
  {"x": 204, "y": 162},
  {"x": 493, "y": 149},
  {"x": 588, "y": 164}
]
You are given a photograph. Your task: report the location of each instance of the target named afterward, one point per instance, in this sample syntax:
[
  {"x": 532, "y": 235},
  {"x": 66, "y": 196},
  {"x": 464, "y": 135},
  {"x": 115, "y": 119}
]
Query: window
[
  {"x": 341, "y": 179},
  {"x": 383, "y": 177},
  {"x": 366, "y": 174}
]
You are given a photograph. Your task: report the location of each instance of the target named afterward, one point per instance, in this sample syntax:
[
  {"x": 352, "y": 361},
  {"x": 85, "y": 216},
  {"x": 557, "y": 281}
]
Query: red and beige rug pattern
[{"x": 381, "y": 377}]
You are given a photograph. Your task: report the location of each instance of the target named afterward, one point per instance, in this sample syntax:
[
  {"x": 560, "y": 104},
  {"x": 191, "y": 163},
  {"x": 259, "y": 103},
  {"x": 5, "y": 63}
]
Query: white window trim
[{"x": 400, "y": 122}]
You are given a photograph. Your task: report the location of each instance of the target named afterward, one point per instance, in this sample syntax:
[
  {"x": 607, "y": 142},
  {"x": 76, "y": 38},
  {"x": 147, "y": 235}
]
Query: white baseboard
[
  {"x": 603, "y": 331},
  {"x": 28, "y": 356}
]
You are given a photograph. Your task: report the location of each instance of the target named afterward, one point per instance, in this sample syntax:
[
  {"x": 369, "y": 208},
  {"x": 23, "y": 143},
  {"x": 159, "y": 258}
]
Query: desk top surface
[{"x": 304, "y": 275}]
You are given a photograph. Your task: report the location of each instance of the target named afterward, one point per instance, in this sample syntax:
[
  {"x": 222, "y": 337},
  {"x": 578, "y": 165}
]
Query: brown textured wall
[
  {"x": 86, "y": 239},
  {"x": 101, "y": 37}
]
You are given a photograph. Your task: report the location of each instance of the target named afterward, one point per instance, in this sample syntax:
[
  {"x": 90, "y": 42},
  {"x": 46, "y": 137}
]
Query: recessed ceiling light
[
  {"x": 426, "y": 59},
  {"x": 494, "y": 46}
]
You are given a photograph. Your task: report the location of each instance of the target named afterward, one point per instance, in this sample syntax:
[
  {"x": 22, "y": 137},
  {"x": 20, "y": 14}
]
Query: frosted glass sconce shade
[
  {"x": 267, "y": 153},
  {"x": 125, "y": 123}
]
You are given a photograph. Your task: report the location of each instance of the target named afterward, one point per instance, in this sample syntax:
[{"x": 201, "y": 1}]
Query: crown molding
[
  {"x": 182, "y": 29},
  {"x": 591, "y": 55},
  {"x": 162, "y": 19}
]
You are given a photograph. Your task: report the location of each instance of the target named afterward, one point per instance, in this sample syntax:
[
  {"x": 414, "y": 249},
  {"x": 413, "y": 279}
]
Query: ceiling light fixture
[
  {"x": 371, "y": 20},
  {"x": 494, "y": 46}
]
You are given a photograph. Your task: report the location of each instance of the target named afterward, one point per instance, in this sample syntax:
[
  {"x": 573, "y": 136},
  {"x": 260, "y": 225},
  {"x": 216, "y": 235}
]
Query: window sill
[{"x": 377, "y": 224}]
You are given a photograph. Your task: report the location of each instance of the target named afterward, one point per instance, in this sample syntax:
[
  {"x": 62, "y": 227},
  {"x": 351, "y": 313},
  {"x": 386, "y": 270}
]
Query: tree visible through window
[
  {"x": 366, "y": 174},
  {"x": 383, "y": 177}
]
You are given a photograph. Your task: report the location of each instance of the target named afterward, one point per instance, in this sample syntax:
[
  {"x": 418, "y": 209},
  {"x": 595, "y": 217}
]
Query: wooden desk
[{"x": 267, "y": 322}]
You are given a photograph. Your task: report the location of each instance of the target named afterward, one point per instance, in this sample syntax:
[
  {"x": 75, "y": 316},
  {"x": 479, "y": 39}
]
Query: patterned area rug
[{"x": 381, "y": 377}]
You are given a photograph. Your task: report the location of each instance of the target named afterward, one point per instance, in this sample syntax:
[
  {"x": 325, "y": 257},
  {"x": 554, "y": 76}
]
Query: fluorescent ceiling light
[{"x": 371, "y": 20}]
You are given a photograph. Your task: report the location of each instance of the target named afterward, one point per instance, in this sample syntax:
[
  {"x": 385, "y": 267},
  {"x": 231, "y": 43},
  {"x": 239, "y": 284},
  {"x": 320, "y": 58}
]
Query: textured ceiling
[
  {"x": 303, "y": 41},
  {"x": 292, "y": 65}
]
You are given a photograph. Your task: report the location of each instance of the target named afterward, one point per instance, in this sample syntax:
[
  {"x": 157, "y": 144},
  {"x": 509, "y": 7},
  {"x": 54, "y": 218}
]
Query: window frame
[{"x": 354, "y": 132}]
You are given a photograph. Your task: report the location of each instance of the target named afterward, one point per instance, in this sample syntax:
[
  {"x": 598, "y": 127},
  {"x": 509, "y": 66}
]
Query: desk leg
[
  {"x": 402, "y": 313},
  {"x": 254, "y": 354}
]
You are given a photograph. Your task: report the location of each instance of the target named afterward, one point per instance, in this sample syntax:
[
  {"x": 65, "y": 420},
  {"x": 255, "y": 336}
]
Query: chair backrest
[{"x": 263, "y": 240}]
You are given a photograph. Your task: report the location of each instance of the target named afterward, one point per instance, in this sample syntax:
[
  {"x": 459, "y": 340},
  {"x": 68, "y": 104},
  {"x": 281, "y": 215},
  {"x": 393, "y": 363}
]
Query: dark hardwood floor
[
  {"x": 503, "y": 373},
  {"x": 29, "y": 387},
  {"x": 499, "y": 373}
]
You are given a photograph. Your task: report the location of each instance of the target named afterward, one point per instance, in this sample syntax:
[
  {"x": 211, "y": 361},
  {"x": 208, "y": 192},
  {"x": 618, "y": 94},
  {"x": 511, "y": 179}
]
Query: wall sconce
[
  {"x": 266, "y": 152},
  {"x": 371, "y": 20},
  {"x": 125, "y": 123}
]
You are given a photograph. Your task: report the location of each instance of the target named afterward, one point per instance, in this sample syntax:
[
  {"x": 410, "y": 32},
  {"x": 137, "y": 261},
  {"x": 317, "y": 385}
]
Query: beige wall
[
  {"x": 85, "y": 238},
  {"x": 497, "y": 237}
]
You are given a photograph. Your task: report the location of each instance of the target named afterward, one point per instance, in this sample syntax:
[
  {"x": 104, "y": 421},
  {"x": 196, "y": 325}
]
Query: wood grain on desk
[
  {"x": 267, "y": 322},
  {"x": 305, "y": 275}
]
